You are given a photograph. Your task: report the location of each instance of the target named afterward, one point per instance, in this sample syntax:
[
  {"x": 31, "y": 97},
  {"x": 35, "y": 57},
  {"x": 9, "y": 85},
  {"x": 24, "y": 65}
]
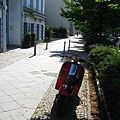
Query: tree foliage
[{"x": 93, "y": 17}]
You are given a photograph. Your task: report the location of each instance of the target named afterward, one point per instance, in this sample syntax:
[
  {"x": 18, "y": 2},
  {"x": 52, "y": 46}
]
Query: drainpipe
[{"x": 4, "y": 27}]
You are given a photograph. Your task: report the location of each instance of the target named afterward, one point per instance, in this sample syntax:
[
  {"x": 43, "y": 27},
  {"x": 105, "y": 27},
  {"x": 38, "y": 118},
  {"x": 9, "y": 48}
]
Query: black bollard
[
  {"x": 69, "y": 46},
  {"x": 46, "y": 43},
  {"x": 35, "y": 42},
  {"x": 64, "y": 48}
]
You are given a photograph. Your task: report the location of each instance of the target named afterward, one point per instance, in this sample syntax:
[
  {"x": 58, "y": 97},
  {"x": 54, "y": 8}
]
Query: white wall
[
  {"x": 52, "y": 14},
  {"x": 17, "y": 19},
  {"x": 15, "y": 22}
]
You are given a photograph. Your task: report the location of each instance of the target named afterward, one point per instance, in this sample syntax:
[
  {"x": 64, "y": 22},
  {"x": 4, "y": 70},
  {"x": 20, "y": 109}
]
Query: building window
[
  {"x": 25, "y": 28},
  {"x": 41, "y": 6},
  {"x": 25, "y": 3},
  {"x": 31, "y": 4},
  {"x": 37, "y": 31},
  {"x": 37, "y": 5},
  {"x": 42, "y": 31},
  {"x": 32, "y": 27}
]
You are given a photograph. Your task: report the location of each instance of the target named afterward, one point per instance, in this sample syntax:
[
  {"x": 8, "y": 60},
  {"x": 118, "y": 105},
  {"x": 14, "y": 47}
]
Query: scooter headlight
[{"x": 75, "y": 57}]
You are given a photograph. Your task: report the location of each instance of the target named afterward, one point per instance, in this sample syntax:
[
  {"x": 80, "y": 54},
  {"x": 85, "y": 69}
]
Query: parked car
[
  {"x": 113, "y": 39},
  {"x": 118, "y": 42}
]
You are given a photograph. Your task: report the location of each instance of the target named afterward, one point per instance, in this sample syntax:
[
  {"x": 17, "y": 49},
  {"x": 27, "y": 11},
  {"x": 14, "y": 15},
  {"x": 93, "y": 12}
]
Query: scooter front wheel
[{"x": 60, "y": 102}]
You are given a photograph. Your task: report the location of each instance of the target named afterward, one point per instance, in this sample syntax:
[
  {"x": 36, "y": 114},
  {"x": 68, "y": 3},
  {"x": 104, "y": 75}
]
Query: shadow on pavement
[
  {"x": 71, "y": 52},
  {"x": 78, "y": 42},
  {"x": 12, "y": 47},
  {"x": 69, "y": 109}
]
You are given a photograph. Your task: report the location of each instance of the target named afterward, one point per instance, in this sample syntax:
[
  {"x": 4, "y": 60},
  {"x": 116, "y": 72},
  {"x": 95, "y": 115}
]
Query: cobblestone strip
[
  {"x": 84, "y": 109},
  {"x": 43, "y": 109},
  {"x": 76, "y": 107}
]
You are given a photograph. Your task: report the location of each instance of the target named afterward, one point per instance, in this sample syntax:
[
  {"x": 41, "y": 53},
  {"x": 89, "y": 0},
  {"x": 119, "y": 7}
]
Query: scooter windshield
[{"x": 73, "y": 69}]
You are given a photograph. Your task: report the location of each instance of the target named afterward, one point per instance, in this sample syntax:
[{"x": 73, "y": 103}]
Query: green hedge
[
  {"x": 60, "y": 32},
  {"x": 107, "y": 62}
]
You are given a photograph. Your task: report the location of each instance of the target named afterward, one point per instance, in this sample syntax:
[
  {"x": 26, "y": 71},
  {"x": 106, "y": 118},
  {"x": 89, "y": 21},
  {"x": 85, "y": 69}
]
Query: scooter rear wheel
[{"x": 61, "y": 102}]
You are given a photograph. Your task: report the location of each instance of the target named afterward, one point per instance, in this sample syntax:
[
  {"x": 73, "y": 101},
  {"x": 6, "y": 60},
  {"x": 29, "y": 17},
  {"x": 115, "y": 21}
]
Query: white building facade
[
  {"x": 52, "y": 10},
  {"x": 22, "y": 17}
]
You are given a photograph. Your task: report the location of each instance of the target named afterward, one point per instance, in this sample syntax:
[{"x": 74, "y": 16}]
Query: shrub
[
  {"x": 55, "y": 32},
  {"x": 27, "y": 37},
  {"x": 107, "y": 61},
  {"x": 33, "y": 35},
  {"x": 27, "y": 41},
  {"x": 48, "y": 33},
  {"x": 60, "y": 32}
]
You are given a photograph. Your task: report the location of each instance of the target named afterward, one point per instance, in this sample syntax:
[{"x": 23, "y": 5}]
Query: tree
[{"x": 93, "y": 18}]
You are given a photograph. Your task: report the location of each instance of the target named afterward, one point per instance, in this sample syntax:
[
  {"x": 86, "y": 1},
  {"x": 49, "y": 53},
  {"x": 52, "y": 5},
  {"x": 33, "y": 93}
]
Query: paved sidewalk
[
  {"x": 23, "y": 84},
  {"x": 25, "y": 79}
]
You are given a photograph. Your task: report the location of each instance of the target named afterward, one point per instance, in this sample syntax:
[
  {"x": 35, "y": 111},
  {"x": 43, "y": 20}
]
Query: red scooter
[{"x": 69, "y": 80}]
